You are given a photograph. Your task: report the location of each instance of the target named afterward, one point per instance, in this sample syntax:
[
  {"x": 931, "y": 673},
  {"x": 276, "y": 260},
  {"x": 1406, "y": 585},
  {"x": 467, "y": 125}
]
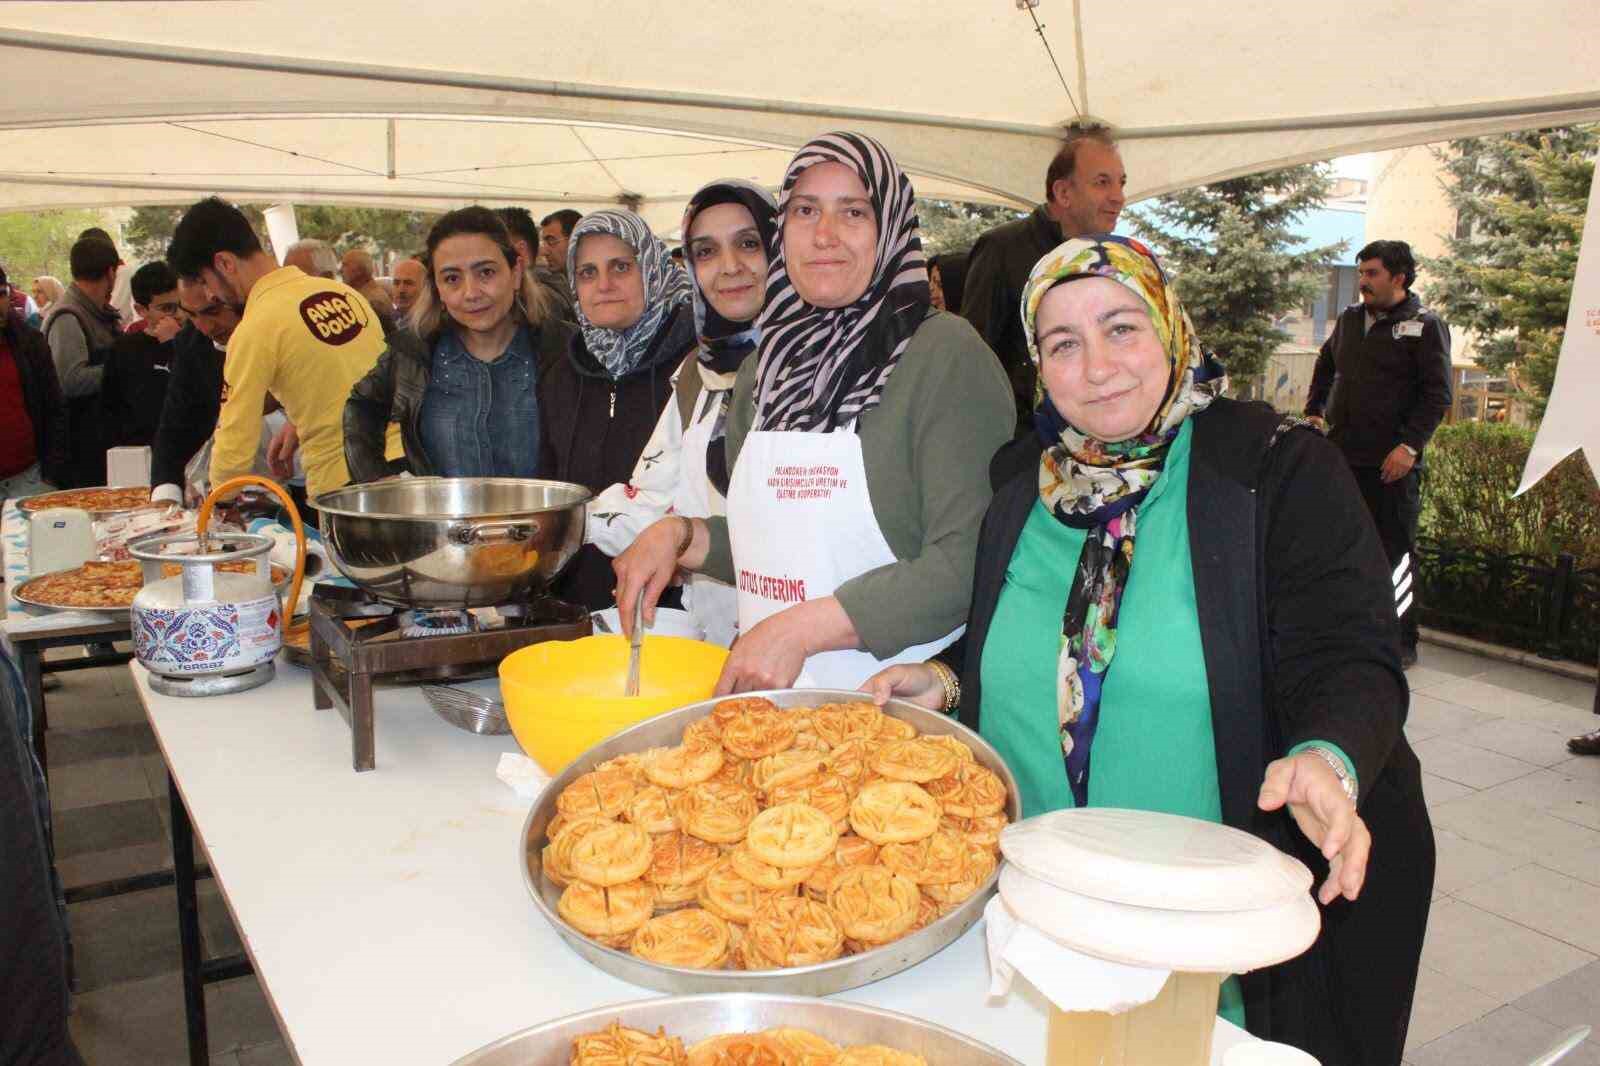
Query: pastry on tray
[{"x": 772, "y": 838}]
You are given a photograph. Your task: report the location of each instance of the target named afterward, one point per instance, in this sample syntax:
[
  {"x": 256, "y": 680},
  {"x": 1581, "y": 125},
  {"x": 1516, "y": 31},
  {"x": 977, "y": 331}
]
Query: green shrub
[{"x": 1474, "y": 467}]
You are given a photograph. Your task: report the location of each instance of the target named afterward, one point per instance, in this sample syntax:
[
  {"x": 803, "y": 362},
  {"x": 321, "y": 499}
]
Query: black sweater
[
  {"x": 1300, "y": 642},
  {"x": 190, "y": 408},
  {"x": 595, "y": 427}
]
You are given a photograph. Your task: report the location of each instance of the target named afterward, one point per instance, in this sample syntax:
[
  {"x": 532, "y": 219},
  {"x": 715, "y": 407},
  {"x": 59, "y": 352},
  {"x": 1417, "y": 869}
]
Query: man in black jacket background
[
  {"x": 194, "y": 393},
  {"x": 1083, "y": 194},
  {"x": 1380, "y": 388}
]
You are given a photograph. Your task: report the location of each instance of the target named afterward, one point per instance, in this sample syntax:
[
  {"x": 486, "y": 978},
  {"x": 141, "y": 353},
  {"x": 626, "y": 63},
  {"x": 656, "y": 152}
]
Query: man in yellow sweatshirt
[{"x": 306, "y": 340}]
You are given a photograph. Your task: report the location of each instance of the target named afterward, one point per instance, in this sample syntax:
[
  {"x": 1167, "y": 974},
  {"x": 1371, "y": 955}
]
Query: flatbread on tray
[
  {"x": 109, "y": 585},
  {"x": 98, "y": 500}
]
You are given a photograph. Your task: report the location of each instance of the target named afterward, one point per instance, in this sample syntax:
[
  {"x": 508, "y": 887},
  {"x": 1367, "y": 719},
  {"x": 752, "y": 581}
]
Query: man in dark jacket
[
  {"x": 525, "y": 239},
  {"x": 134, "y": 385},
  {"x": 194, "y": 395},
  {"x": 33, "y": 417},
  {"x": 81, "y": 328},
  {"x": 1083, "y": 194},
  {"x": 1380, "y": 388}
]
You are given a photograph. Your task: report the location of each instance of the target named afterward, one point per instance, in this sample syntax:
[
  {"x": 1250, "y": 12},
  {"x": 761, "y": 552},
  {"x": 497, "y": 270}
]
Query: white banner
[{"x": 1572, "y": 420}]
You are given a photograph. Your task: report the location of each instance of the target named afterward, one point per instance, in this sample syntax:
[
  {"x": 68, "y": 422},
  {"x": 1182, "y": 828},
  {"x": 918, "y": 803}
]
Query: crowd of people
[{"x": 924, "y": 477}]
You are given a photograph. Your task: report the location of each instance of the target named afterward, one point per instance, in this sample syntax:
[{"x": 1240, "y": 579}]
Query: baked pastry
[
  {"x": 620, "y": 1046},
  {"x": 980, "y": 867},
  {"x": 873, "y": 903},
  {"x": 894, "y": 812},
  {"x": 785, "y": 766},
  {"x": 603, "y": 792},
  {"x": 807, "y": 1047},
  {"x": 683, "y": 766},
  {"x": 557, "y": 855},
  {"x": 828, "y": 793},
  {"x": 836, "y": 723},
  {"x": 940, "y": 858},
  {"x": 757, "y": 733},
  {"x": 896, "y": 729},
  {"x": 703, "y": 731},
  {"x": 651, "y": 810},
  {"x": 610, "y": 855},
  {"x": 793, "y": 931},
  {"x": 691, "y": 937},
  {"x": 912, "y": 760},
  {"x": 726, "y": 894},
  {"x": 954, "y": 744},
  {"x": 791, "y": 835},
  {"x": 971, "y": 792},
  {"x": 984, "y": 829},
  {"x": 715, "y": 811},
  {"x": 606, "y": 912},
  {"x": 739, "y": 1049},
  {"x": 680, "y": 859},
  {"x": 729, "y": 709},
  {"x": 764, "y": 874}
]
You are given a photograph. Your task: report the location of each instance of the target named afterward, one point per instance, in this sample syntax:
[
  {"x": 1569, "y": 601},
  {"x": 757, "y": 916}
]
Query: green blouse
[{"x": 1154, "y": 749}]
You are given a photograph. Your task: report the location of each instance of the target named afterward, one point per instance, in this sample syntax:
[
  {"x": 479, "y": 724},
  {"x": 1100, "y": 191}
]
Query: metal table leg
[
  {"x": 198, "y": 971},
  {"x": 33, "y": 684}
]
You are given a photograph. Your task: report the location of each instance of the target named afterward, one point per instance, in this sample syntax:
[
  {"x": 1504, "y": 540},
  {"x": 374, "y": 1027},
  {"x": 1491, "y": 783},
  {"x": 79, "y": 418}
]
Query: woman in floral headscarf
[
  {"x": 1180, "y": 605},
  {"x": 599, "y": 404},
  {"x": 857, "y": 439}
]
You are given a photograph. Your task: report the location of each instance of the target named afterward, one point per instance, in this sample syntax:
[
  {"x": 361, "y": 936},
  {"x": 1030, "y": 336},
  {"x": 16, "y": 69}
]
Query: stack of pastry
[
  {"x": 618, "y": 1045},
  {"x": 772, "y": 838}
]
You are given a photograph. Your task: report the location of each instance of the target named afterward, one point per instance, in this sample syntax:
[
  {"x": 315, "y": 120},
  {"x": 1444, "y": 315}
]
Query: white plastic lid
[
  {"x": 1190, "y": 941},
  {"x": 1148, "y": 859}
]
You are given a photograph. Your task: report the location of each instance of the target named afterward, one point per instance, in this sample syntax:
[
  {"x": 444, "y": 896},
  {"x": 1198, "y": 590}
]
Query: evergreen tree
[
  {"x": 376, "y": 228},
  {"x": 1232, "y": 253},
  {"x": 955, "y": 225},
  {"x": 1506, "y": 275}
]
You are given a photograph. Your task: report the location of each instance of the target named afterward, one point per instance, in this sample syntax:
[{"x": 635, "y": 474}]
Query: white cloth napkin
[
  {"x": 1070, "y": 979},
  {"x": 522, "y": 775}
]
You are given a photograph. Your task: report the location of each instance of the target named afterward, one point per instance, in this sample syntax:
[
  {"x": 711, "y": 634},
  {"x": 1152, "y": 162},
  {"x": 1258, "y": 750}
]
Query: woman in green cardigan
[{"x": 1180, "y": 605}]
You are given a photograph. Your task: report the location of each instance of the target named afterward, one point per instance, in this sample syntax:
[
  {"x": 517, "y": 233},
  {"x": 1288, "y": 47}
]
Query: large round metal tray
[
  {"x": 29, "y": 505},
  {"x": 694, "y": 1018},
  {"x": 24, "y": 595},
  {"x": 821, "y": 979}
]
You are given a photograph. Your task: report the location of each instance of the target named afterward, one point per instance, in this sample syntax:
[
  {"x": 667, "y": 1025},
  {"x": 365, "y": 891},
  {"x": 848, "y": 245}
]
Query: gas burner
[{"x": 358, "y": 642}]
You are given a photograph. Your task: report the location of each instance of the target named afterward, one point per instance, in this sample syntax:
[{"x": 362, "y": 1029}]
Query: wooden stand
[{"x": 1174, "y": 1029}]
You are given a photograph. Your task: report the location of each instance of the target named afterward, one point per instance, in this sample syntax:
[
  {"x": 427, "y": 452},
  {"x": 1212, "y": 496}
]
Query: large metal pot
[{"x": 453, "y": 542}]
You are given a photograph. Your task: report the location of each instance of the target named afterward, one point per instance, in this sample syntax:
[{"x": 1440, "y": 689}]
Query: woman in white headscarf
[
  {"x": 727, "y": 228},
  {"x": 859, "y": 440},
  {"x": 599, "y": 404}
]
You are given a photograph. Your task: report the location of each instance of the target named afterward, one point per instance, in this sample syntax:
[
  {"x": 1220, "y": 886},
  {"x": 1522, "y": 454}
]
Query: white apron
[
  {"x": 714, "y": 605},
  {"x": 800, "y": 524}
]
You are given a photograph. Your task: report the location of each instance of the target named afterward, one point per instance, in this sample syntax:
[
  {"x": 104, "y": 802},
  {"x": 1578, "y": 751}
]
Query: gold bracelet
[{"x": 949, "y": 682}]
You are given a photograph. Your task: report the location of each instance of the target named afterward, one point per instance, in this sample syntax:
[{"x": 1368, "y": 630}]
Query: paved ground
[{"x": 1512, "y": 956}]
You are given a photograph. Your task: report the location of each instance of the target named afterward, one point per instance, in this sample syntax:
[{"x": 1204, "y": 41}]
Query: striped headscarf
[
  {"x": 1097, "y": 486},
  {"x": 821, "y": 368},
  {"x": 665, "y": 288}
]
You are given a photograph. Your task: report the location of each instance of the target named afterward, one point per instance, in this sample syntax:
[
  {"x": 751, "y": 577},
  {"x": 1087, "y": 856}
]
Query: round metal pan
[
  {"x": 31, "y": 505},
  {"x": 23, "y": 595},
  {"x": 695, "y": 1018},
  {"x": 820, "y": 979}
]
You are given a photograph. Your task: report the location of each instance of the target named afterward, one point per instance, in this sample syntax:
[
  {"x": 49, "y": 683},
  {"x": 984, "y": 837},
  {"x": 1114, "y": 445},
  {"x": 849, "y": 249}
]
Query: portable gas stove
[{"x": 357, "y": 643}]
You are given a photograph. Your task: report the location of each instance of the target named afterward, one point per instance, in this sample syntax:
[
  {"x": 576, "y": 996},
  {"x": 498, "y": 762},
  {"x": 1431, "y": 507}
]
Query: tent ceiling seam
[
  {"x": 1083, "y": 56},
  {"x": 180, "y": 56}
]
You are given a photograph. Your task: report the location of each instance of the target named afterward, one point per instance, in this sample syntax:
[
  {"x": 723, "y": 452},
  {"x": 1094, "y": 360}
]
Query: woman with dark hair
[
  {"x": 1180, "y": 605},
  {"x": 859, "y": 438},
  {"x": 683, "y": 470},
  {"x": 602, "y": 400},
  {"x": 463, "y": 384},
  {"x": 947, "y": 279}
]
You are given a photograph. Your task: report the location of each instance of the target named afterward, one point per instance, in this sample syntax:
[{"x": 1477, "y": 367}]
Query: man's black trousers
[{"x": 1395, "y": 508}]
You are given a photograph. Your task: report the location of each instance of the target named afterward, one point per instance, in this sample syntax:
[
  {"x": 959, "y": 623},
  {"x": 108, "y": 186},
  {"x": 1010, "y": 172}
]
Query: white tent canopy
[{"x": 555, "y": 104}]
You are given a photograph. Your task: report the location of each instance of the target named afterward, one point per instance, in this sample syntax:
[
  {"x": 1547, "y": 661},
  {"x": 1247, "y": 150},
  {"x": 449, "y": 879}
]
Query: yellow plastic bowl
[{"x": 563, "y": 697}]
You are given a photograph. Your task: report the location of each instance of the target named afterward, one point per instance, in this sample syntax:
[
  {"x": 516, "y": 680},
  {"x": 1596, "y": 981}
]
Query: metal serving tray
[
  {"x": 695, "y": 1018},
  {"x": 24, "y": 595},
  {"x": 820, "y": 979}
]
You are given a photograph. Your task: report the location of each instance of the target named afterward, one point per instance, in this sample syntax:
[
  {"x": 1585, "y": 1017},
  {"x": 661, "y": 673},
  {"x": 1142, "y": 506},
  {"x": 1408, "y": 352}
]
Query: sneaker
[{"x": 1586, "y": 744}]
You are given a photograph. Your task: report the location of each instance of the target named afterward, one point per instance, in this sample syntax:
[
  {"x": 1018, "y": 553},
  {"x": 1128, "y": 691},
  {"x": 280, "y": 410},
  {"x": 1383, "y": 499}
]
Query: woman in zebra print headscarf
[{"x": 859, "y": 438}]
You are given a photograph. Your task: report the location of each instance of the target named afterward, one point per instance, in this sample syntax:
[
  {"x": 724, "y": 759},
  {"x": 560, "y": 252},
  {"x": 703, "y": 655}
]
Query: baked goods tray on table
[
  {"x": 870, "y": 963},
  {"x": 696, "y": 1018}
]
